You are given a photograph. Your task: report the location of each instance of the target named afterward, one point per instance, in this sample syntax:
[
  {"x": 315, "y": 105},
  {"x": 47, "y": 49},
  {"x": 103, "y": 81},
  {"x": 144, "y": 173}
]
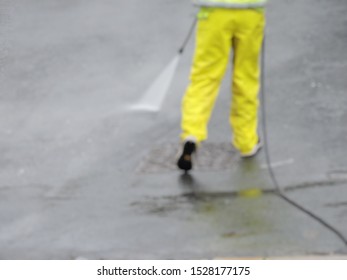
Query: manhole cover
[{"x": 210, "y": 157}]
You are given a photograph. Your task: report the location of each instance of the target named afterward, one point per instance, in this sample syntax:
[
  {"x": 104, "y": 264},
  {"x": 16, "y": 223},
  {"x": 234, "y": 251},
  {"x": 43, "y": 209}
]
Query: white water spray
[{"x": 154, "y": 96}]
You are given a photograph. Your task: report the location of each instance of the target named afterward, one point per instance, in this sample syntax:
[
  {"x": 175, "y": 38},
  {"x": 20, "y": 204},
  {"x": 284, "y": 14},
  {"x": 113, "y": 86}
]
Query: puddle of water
[{"x": 251, "y": 193}]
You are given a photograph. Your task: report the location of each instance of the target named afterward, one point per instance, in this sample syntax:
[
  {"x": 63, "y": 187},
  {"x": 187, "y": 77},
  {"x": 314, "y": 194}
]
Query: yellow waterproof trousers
[{"x": 218, "y": 31}]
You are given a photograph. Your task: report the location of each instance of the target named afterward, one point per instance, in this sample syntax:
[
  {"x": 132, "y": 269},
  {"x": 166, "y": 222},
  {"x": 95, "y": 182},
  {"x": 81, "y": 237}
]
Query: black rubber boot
[{"x": 185, "y": 160}]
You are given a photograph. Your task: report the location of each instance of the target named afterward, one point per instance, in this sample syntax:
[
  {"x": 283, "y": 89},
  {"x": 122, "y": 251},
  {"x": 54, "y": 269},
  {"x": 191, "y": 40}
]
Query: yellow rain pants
[{"x": 218, "y": 31}]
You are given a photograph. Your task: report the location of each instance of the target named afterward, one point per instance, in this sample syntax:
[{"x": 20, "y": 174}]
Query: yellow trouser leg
[
  {"x": 213, "y": 45},
  {"x": 247, "y": 42}
]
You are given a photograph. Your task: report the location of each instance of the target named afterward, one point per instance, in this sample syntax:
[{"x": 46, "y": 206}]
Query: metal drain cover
[{"x": 209, "y": 157}]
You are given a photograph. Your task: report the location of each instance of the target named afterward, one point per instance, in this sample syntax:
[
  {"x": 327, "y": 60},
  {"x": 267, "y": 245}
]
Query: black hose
[
  {"x": 278, "y": 191},
  {"x": 185, "y": 42}
]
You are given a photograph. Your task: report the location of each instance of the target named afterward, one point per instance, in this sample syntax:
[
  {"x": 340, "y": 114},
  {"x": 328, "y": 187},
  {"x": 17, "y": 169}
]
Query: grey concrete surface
[{"x": 82, "y": 177}]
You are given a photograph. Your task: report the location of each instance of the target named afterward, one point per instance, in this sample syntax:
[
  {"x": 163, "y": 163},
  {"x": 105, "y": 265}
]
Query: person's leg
[
  {"x": 247, "y": 43},
  {"x": 213, "y": 43}
]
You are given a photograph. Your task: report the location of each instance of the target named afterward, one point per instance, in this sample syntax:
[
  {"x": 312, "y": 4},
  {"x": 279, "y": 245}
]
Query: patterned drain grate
[{"x": 210, "y": 157}]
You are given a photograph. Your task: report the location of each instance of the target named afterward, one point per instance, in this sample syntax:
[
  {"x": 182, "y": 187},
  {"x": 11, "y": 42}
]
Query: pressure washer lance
[
  {"x": 278, "y": 191},
  {"x": 185, "y": 42}
]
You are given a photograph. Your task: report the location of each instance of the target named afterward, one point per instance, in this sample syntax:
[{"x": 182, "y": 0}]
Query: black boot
[{"x": 185, "y": 160}]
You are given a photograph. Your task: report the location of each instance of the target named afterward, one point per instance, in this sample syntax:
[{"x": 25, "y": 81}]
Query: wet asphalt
[{"x": 83, "y": 177}]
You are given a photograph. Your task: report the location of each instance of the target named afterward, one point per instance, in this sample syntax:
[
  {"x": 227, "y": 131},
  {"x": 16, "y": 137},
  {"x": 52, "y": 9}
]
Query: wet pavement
[{"x": 83, "y": 177}]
